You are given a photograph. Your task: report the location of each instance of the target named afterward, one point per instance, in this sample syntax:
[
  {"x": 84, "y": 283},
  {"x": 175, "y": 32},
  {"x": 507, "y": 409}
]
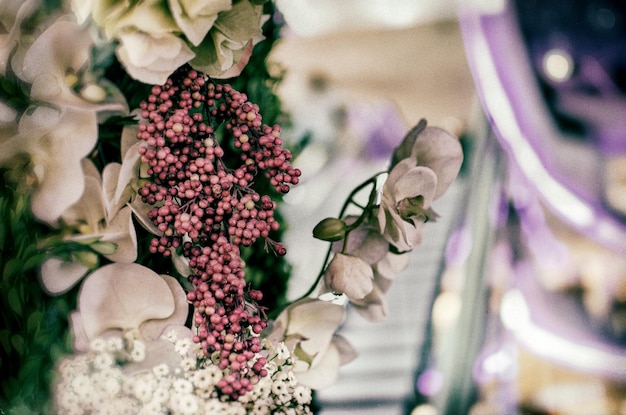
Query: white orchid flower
[
  {"x": 12, "y": 14},
  {"x": 424, "y": 166},
  {"x": 55, "y": 67},
  {"x": 56, "y": 142},
  {"x": 133, "y": 302},
  {"x": 373, "y": 307},
  {"x": 308, "y": 328},
  {"x": 101, "y": 218}
]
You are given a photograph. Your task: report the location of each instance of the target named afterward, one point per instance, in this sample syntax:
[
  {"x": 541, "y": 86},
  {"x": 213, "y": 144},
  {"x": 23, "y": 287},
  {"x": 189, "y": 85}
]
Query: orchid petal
[
  {"x": 58, "y": 276},
  {"x": 405, "y": 148},
  {"x": 121, "y": 231},
  {"x": 152, "y": 329},
  {"x": 349, "y": 275},
  {"x": 119, "y": 180},
  {"x": 418, "y": 181},
  {"x": 160, "y": 351},
  {"x": 123, "y": 296},
  {"x": 396, "y": 173},
  {"x": 347, "y": 352},
  {"x": 89, "y": 208},
  {"x": 440, "y": 151},
  {"x": 81, "y": 341},
  {"x": 392, "y": 264},
  {"x": 12, "y": 14},
  {"x": 365, "y": 242},
  {"x": 129, "y": 139},
  {"x": 373, "y": 307},
  {"x": 312, "y": 320},
  {"x": 141, "y": 210},
  {"x": 400, "y": 233},
  {"x": 324, "y": 373},
  {"x": 63, "y": 48},
  {"x": 57, "y": 143}
]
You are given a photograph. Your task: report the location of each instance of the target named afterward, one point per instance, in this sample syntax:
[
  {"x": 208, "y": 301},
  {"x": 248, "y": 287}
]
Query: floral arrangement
[{"x": 137, "y": 179}]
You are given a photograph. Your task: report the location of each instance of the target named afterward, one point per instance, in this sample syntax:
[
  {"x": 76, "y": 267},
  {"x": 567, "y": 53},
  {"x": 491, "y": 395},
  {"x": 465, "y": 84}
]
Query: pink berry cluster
[{"x": 206, "y": 210}]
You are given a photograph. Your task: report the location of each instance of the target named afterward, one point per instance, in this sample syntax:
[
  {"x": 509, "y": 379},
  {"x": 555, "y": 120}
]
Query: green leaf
[
  {"x": 4, "y": 340},
  {"x": 18, "y": 344},
  {"x": 14, "y": 300},
  {"x": 12, "y": 267},
  {"x": 30, "y": 371},
  {"x": 34, "y": 261},
  {"x": 34, "y": 322},
  {"x": 104, "y": 248}
]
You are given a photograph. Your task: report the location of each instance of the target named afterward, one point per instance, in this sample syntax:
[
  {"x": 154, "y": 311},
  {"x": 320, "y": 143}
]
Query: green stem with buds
[{"x": 371, "y": 203}]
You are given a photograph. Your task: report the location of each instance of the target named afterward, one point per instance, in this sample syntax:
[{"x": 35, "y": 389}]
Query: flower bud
[
  {"x": 93, "y": 93},
  {"x": 88, "y": 258},
  {"x": 349, "y": 275},
  {"x": 330, "y": 230}
]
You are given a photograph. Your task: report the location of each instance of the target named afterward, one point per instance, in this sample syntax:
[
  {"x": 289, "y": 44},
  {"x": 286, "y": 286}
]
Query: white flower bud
[{"x": 349, "y": 275}]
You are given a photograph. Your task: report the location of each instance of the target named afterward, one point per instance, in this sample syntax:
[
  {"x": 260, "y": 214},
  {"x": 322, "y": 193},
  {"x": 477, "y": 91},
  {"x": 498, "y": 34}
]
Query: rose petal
[
  {"x": 151, "y": 59},
  {"x": 195, "y": 18}
]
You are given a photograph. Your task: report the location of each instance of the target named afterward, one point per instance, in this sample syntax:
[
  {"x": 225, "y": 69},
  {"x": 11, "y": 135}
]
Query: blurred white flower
[
  {"x": 100, "y": 220},
  {"x": 57, "y": 66},
  {"x": 12, "y": 14},
  {"x": 56, "y": 142}
]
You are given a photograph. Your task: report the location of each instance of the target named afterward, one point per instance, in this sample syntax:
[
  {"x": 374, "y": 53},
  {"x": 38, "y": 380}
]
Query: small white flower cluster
[{"x": 99, "y": 382}]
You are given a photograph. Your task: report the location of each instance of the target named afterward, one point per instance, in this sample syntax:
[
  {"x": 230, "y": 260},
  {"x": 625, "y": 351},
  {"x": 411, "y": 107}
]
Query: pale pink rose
[{"x": 152, "y": 58}]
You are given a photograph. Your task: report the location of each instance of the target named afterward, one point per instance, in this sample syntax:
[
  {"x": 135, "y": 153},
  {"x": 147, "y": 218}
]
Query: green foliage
[{"x": 33, "y": 328}]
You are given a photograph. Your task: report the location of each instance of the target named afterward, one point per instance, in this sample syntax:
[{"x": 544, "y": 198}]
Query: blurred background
[{"x": 515, "y": 301}]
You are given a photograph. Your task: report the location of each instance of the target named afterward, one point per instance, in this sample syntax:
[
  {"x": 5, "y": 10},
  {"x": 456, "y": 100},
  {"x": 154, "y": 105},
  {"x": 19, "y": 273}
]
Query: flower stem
[{"x": 366, "y": 210}]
